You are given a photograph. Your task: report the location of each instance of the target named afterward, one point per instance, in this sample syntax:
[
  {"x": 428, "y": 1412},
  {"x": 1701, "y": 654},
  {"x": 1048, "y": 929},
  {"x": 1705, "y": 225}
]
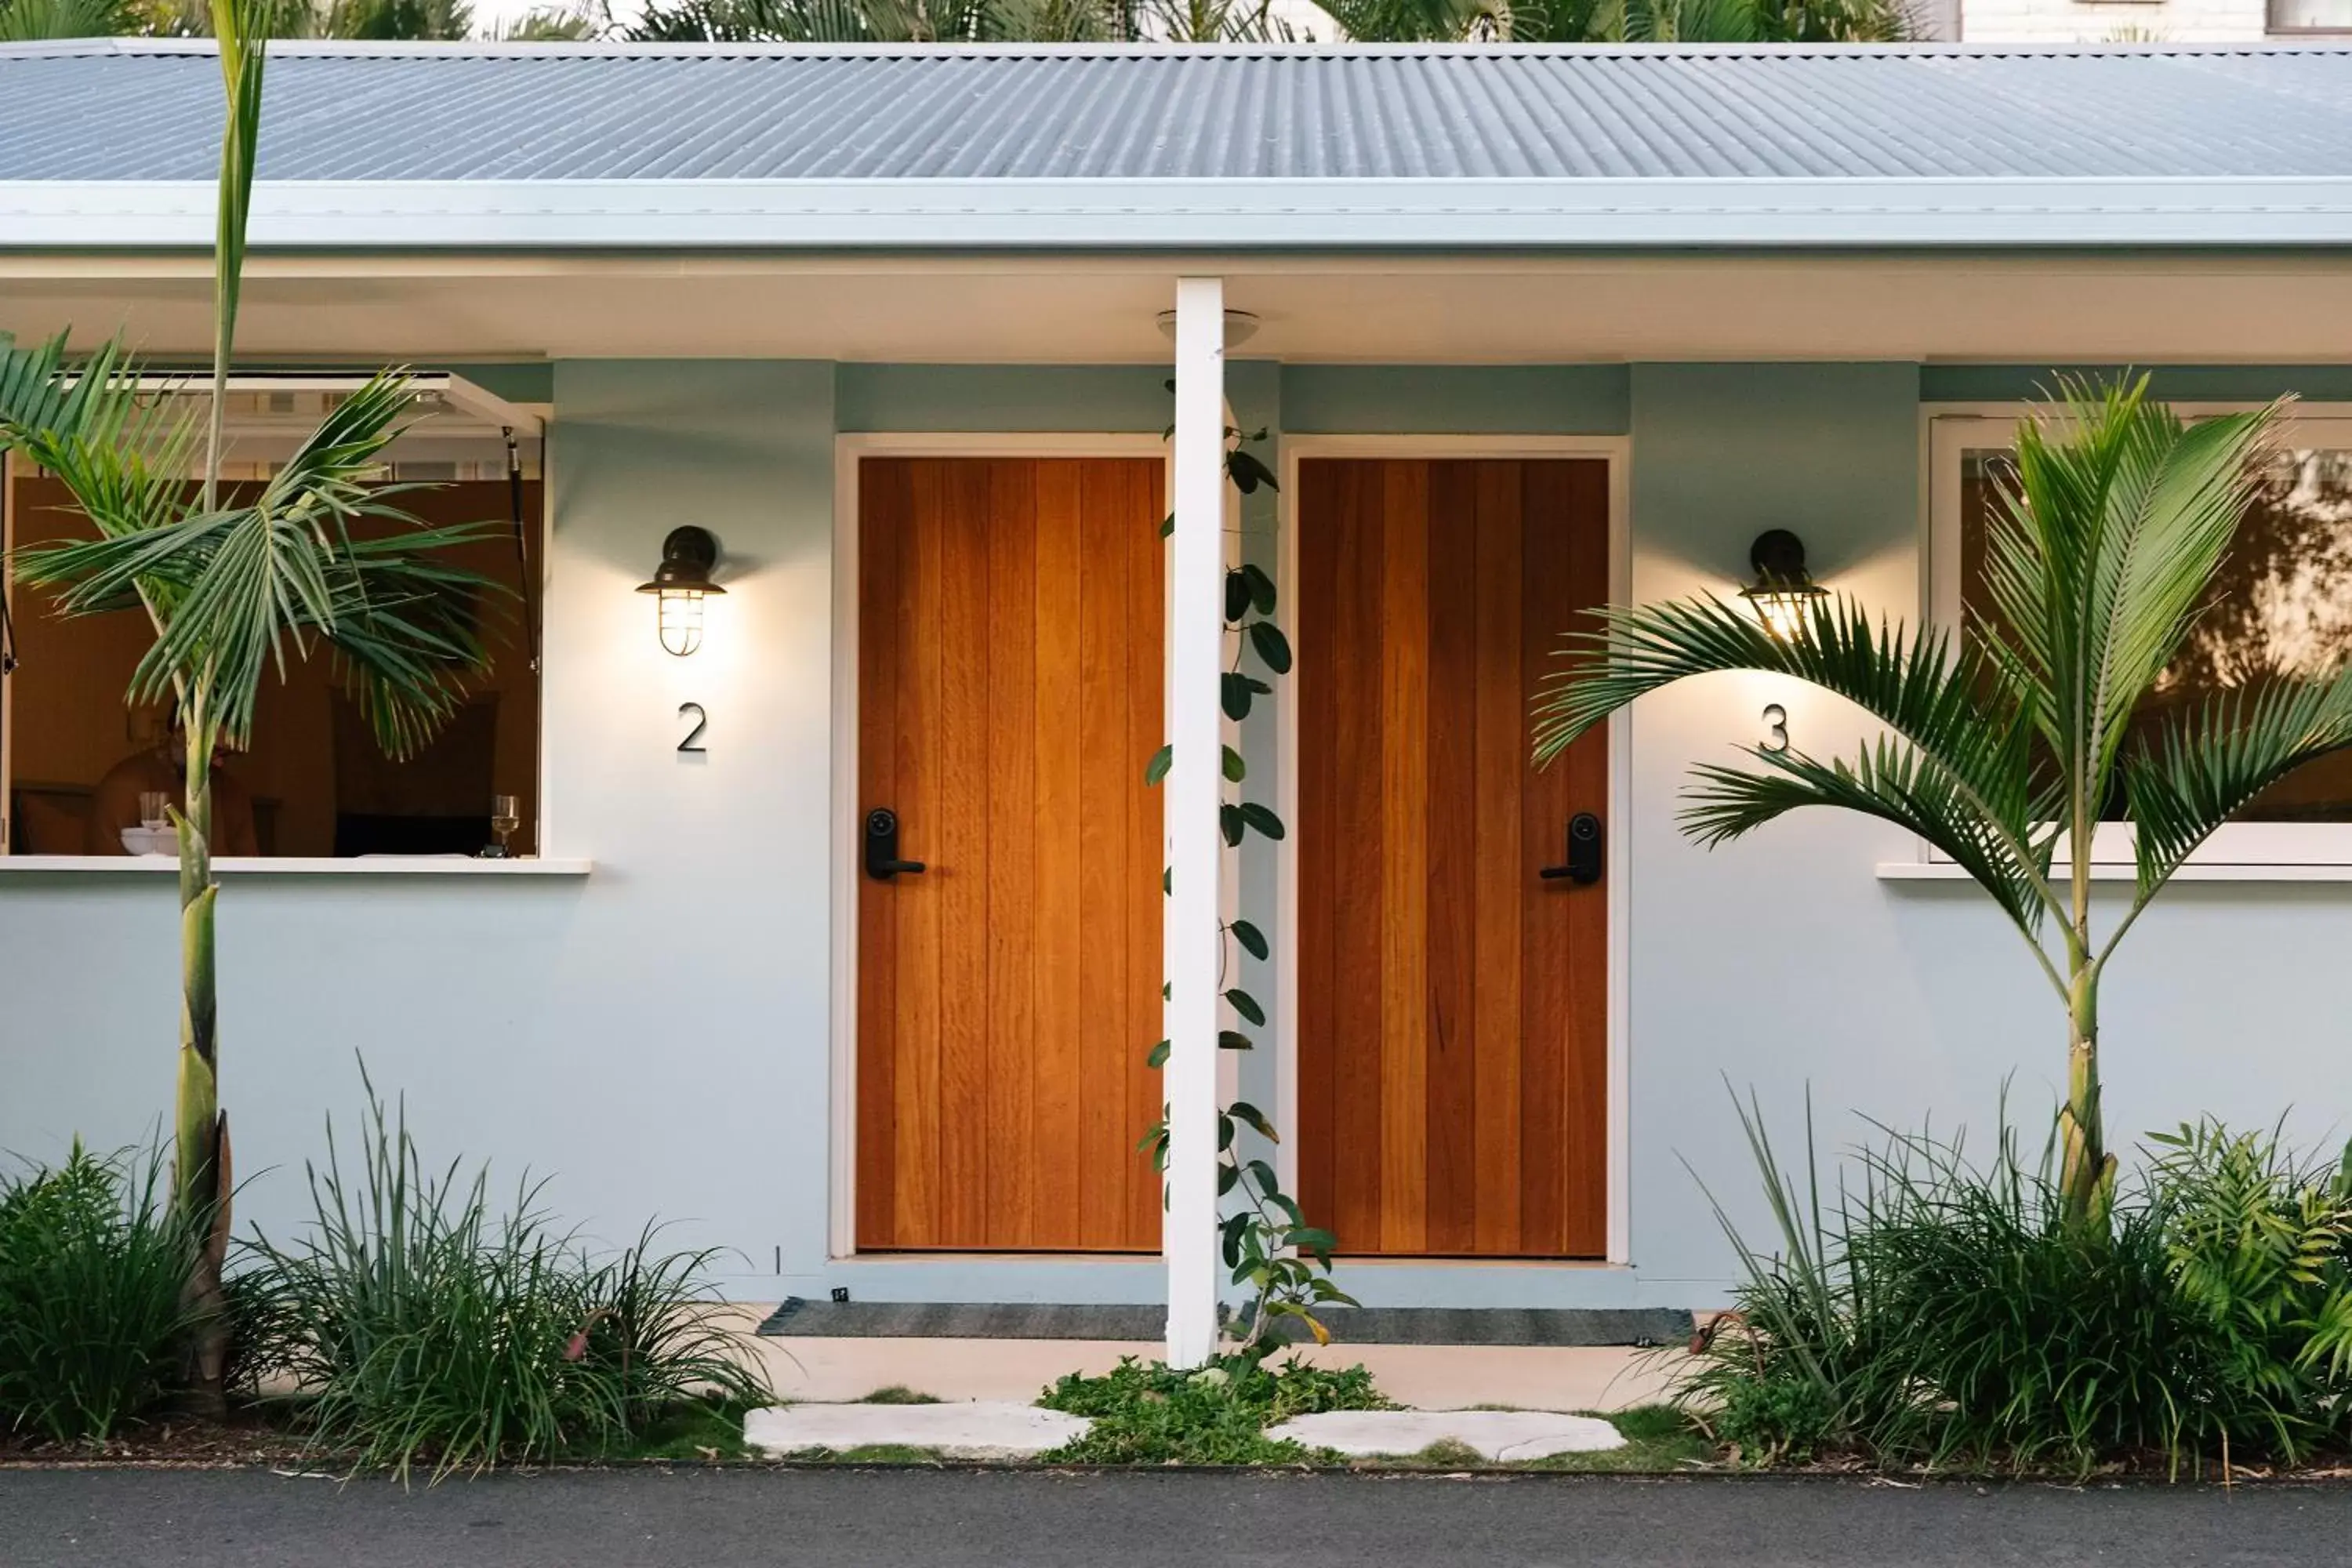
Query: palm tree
[
  {"x": 882, "y": 22},
  {"x": 34, "y": 21},
  {"x": 233, "y": 584},
  {"x": 1621, "y": 21},
  {"x": 373, "y": 20},
  {"x": 2004, "y": 752}
]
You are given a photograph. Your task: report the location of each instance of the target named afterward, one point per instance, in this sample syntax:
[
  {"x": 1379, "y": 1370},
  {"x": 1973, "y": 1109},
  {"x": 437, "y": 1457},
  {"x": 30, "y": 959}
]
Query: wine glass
[
  {"x": 155, "y": 810},
  {"x": 505, "y": 818}
]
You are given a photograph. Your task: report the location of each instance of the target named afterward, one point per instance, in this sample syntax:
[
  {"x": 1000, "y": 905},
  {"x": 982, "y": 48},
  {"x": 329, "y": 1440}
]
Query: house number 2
[
  {"x": 693, "y": 742},
  {"x": 1775, "y": 728}
]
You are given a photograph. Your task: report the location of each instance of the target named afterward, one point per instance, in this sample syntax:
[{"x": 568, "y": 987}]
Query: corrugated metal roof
[{"x": 136, "y": 110}]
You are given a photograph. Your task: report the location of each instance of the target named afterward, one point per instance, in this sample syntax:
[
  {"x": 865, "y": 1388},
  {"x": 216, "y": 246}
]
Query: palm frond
[
  {"x": 1957, "y": 709},
  {"x": 120, "y": 451},
  {"x": 33, "y": 21},
  {"x": 2205, "y": 767},
  {"x": 2096, "y": 558},
  {"x": 1887, "y": 780},
  {"x": 322, "y": 553}
]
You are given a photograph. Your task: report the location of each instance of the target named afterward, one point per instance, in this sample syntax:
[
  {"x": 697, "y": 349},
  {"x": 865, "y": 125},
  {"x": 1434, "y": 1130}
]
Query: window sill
[
  {"x": 2195, "y": 872},
  {"x": 301, "y": 866}
]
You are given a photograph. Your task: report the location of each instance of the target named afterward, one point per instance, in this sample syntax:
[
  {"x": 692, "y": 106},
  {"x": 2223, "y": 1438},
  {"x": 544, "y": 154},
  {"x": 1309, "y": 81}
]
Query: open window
[
  {"x": 313, "y": 781},
  {"x": 2281, "y": 604}
]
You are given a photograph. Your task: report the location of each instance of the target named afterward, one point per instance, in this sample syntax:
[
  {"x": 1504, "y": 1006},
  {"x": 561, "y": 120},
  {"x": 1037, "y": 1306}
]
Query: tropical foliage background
[
  {"x": 1000, "y": 21},
  {"x": 26, "y": 21}
]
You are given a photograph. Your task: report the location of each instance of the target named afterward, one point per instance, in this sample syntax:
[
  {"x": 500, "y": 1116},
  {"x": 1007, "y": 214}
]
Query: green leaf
[
  {"x": 1228, "y": 1178},
  {"x": 1235, "y": 769},
  {"x": 1261, "y": 589},
  {"x": 1246, "y": 1006},
  {"x": 1248, "y": 472},
  {"x": 1237, "y": 595},
  {"x": 1156, "y": 768},
  {"x": 1268, "y": 1184},
  {"x": 1234, "y": 1040},
  {"x": 1234, "y": 691},
  {"x": 1224, "y": 1133},
  {"x": 1229, "y": 820},
  {"x": 1271, "y": 645},
  {"x": 1253, "y": 941},
  {"x": 1262, "y": 818},
  {"x": 1242, "y": 1111},
  {"x": 1309, "y": 1238},
  {"x": 1158, "y": 1057}
]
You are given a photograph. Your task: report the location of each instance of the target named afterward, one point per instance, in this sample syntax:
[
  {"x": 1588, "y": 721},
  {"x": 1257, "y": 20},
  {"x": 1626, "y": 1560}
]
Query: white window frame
[{"x": 1954, "y": 429}]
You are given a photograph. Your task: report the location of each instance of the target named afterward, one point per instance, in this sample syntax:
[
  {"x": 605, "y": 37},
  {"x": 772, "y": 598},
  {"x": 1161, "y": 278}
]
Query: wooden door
[
  {"x": 1009, "y": 694},
  {"x": 1452, "y": 1007}
]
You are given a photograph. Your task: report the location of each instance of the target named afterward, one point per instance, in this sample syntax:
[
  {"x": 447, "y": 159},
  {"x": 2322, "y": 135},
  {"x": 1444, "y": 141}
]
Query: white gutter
[{"x": 1189, "y": 215}]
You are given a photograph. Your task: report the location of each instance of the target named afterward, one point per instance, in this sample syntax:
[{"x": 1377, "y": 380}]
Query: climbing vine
[{"x": 1271, "y": 1250}]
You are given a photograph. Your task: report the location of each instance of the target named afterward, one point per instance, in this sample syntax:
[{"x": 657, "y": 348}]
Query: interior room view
[{"x": 86, "y": 772}]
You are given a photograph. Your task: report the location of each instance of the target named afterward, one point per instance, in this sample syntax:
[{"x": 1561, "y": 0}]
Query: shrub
[
  {"x": 425, "y": 1328},
  {"x": 2257, "y": 1241},
  {"x": 92, "y": 1273},
  {"x": 1152, "y": 1414},
  {"x": 1933, "y": 1312}
]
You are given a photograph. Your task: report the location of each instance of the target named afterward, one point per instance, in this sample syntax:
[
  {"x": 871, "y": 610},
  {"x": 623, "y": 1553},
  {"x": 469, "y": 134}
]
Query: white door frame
[
  {"x": 849, "y": 450},
  {"x": 1616, "y": 451}
]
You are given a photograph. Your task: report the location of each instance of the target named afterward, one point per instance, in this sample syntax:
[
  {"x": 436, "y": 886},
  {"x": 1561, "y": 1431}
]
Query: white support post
[{"x": 1195, "y": 847}]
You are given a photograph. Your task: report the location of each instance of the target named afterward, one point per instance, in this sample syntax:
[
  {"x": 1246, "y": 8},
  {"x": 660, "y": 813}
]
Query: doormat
[{"x": 798, "y": 1317}]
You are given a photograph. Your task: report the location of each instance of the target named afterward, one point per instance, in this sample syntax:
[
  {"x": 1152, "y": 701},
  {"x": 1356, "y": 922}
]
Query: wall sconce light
[
  {"x": 680, "y": 584},
  {"x": 1783, "y": 592}
]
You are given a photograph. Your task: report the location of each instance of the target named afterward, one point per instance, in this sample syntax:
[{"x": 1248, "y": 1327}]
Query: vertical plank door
[
  {"x": 1009, "y": 697},
  {"x": 1452, "y": 1038}
]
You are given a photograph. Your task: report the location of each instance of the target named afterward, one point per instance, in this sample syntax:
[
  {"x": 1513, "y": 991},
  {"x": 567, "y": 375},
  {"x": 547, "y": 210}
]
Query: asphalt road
[{"x": 843, "y": 1519}]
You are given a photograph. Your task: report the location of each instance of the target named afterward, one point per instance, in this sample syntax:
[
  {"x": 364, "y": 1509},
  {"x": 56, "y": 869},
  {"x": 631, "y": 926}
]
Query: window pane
[
  {"x": 2311, "y": 16},
  {"x": 312, "y": 781},
  {"x": 2281, "y": 606}
]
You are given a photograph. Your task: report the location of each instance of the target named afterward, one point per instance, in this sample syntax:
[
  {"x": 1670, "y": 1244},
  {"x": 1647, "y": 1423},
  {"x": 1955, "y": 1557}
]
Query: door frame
[
  {"x": 849, "y": 449},
  {"x": 1616, "y": 451}
]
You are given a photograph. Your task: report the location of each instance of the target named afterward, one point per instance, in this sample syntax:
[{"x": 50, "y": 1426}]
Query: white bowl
[{"x": 150, "y": 840}]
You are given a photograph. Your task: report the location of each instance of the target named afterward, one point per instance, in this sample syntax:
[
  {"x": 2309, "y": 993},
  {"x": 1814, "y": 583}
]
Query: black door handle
[
  {"x": 1583, "y": 865},
  {"x": 882, "y": 862}
]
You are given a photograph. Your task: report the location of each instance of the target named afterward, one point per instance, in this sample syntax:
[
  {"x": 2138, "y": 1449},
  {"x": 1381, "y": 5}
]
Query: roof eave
[{"x": 1190, "y": 215}]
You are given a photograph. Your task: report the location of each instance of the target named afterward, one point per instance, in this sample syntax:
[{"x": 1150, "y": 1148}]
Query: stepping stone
[
  {"x": 1494, "y": 1434},
  {"x": 968, "y": 1430}
]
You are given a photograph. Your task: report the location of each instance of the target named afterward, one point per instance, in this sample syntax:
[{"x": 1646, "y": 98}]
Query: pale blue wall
[
  {"x": 1058, "y": 399},
  {"x": 1782, "y": 965},
  {"x": 2188, "y": 384},
  {"x": 656, "y": 1037},
  {"x": 1455, "y": 400},
  {"x": 653, "y": 1038}
]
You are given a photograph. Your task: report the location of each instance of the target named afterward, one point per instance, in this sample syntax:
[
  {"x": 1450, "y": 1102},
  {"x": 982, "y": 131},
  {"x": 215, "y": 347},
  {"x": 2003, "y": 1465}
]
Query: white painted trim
[
  {"x": 8, "y": 830},
  {"x": 1195, "y": 214},
  {"x": 464, "y": 399},
  {"x": 1949, "y": 431},
  {"x": 850, "y": 448},
  {"x": 1617, "y": 451},
  {"x": 2123, "y": 872},
  {"x": 301, "y": 866},
  {"x": 1193, "y": 798}
]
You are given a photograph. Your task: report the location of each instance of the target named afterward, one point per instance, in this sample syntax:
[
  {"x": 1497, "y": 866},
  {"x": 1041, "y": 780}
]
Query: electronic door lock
[
  {"x": 1584, "y": 863},
  {"x": 882, "y": 862}
]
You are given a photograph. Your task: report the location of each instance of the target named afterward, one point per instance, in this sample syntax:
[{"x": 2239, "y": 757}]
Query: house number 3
[
  {"x": 1775, "y": 728},
  {"x": 693, "y": 742}
]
